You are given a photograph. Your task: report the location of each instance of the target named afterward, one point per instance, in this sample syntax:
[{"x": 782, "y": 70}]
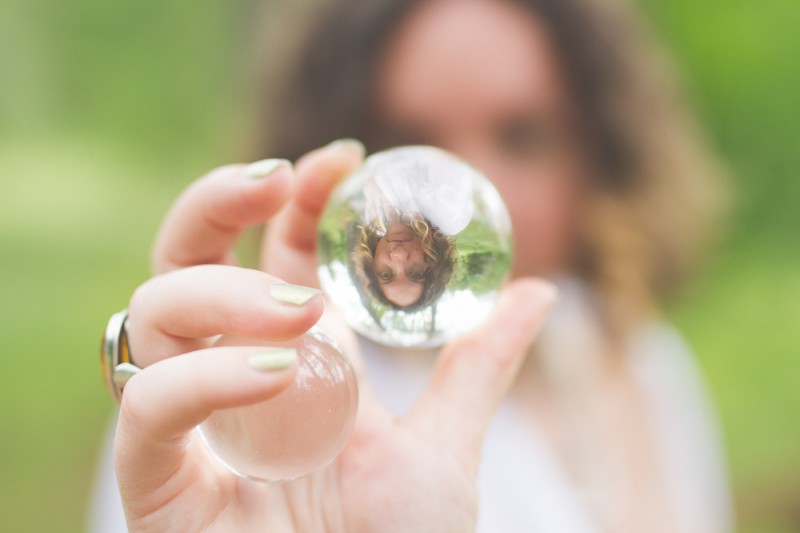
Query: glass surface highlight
[{"x": 413, "y": 247}]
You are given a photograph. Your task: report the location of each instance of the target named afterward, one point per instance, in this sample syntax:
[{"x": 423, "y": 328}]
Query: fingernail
[
  {"x": 265, "y": 167},
  {"x": 292, "y": 294},
  {"x": 349, "y": 144},
  {"x": 272, "y": 359}
]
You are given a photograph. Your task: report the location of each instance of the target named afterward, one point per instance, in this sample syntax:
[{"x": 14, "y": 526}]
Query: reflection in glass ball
[
  {"x": 300, "y": 430},
  {"x": 413, "y": 247}
]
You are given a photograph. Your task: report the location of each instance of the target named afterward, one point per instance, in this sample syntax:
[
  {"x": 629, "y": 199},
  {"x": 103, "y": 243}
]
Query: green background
[{"x": 108, "y": 109}]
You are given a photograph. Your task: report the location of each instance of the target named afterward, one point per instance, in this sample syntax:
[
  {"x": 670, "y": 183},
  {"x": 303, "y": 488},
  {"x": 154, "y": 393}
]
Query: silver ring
[{"x": 115, "y": 357}]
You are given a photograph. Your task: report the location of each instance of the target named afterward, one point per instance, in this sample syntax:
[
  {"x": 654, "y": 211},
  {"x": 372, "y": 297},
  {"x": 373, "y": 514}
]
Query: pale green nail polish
[
  {"x": 349, "y": 144},
  {"x": 272, "y": 359},
  {"x": 263, "y": 168},
  {"x": 292, "y": 294}
]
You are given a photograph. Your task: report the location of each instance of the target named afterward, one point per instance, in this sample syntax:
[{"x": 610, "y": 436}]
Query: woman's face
[
  {"x": 399, "y": 265},
  {"x": 480, "y": 78}
]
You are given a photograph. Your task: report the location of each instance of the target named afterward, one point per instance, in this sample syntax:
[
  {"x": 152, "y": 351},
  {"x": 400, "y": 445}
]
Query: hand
[{"x": 415, "y": 473}]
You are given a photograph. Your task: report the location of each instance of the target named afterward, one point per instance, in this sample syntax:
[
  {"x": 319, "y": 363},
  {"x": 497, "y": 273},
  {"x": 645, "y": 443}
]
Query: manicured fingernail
[
  {"x": 292, "y": 294},
  {"x": 265, "y": 167},
  {"x": 273, "y": 359},
  {"x": 349, "y": 144}
]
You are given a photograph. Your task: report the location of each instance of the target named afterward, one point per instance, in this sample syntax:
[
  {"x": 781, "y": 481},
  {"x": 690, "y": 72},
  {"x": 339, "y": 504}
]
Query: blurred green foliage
[
  {"x": 108, "y": 109},
  {"x": 739, "y": 64}
]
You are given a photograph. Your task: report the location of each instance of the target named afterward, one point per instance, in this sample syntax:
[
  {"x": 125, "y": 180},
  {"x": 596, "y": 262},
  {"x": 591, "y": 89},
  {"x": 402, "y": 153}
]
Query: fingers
[
  {"x": 204, "y": 223},
  {"x": 180, "y": 311},
  {"x": 474, "y": 373},
  {"x": 164, "y": 402},
  {"x": 290, "y": 247}
]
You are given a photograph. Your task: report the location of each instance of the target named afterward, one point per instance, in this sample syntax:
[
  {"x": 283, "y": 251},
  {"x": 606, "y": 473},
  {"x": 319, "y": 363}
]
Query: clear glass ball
[
  {"x": 300, "y": 430},
  {"x": 413, "y": 247}
]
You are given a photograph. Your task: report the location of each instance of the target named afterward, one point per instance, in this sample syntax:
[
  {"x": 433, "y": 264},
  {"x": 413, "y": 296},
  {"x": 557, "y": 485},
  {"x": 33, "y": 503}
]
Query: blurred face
[
  {"x": 399, "y": 265},
  {"x": 480, "y": 78}
]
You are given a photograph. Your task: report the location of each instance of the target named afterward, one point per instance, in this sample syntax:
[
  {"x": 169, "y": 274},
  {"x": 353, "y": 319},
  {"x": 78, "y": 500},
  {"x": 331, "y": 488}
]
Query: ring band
[{"x": 115, "y": 357}]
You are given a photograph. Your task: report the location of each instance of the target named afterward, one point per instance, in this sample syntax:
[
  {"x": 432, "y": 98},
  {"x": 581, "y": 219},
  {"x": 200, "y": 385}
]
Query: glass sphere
[
  {"x": 413, "y": 247},
  {"x": 300, "y": 430}
]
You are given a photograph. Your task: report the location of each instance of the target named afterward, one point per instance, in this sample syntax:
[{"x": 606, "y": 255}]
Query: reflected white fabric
[{"x": 430, "y": 184}]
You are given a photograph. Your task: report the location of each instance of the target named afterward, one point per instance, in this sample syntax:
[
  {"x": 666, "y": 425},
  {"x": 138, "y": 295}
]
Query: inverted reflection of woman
[{"x": 405, "y": 253}]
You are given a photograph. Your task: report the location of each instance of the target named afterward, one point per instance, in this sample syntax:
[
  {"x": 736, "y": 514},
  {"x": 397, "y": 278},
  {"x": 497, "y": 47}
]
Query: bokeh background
[{"x": 107, "y": 110}]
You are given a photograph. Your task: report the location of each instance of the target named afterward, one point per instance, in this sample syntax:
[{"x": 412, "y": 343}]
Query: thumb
[{"x": 473, "y": 374}]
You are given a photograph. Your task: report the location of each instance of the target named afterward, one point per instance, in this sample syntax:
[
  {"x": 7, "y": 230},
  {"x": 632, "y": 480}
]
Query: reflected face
[
  {"x": 399, "y": 265},
  {"x": 481, "y": 79}
]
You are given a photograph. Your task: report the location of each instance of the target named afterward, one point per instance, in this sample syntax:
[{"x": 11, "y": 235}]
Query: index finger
[{"x": 204, "y": 223}]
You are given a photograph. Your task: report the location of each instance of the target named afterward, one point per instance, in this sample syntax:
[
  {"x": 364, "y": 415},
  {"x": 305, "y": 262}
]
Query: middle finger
[{"x": 185, "y": 309}]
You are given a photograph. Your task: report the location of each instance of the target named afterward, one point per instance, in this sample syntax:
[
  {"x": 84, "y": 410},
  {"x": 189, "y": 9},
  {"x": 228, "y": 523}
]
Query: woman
[{"x": 606, "y": 426}]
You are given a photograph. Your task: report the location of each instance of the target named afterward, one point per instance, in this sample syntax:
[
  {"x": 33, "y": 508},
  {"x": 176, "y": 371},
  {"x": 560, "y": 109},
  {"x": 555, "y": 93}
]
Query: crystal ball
[
  {"x": 300, "y": 430},
  {"x": 413, "y": 247}
]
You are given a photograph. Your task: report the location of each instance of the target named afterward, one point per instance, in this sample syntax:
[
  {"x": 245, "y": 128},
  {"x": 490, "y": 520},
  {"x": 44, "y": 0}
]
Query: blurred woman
[{"x": 566, "y": 106}]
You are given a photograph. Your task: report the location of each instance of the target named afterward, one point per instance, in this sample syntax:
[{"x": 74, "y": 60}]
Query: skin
[
  {"x": 475, "y": 77},
  {"x": 399, "y": 265}
]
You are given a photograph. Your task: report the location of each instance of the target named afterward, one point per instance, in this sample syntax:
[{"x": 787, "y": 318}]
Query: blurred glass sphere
[
  {"x": 413, "y": 247},
  {"x": 300, "y": 430}
]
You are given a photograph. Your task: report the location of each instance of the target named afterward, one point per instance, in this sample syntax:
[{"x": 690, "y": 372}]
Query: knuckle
[
  {"x": 142, "y": 304},
  {"x": 137, "y": 303}
]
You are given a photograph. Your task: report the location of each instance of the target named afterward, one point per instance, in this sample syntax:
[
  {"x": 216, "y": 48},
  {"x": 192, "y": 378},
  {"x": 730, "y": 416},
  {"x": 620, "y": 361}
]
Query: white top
[
  {"x": 421, "y": 180},
  {"x": 522, "y": 486}
]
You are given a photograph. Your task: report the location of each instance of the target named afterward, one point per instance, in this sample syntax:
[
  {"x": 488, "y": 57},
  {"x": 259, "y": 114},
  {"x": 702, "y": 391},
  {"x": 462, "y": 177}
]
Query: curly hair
[{"x": 440, "y": 257}]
